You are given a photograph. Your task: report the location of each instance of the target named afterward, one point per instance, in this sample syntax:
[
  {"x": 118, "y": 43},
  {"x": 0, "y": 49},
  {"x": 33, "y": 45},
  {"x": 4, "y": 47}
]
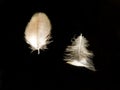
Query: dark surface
[{"x": 97, "y": 20}]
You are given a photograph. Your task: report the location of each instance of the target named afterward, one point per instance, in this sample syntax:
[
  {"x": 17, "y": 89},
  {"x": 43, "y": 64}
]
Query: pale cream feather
[
  {"x": 78, "y": 55},
  {"x": 37, "y": 33}
]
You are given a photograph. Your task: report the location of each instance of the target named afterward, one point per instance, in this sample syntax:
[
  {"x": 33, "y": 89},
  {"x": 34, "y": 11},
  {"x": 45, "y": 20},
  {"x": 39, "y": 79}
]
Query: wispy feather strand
[{"x": 78, "y": 55}]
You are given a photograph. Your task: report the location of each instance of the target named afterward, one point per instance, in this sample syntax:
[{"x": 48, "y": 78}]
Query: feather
[
  {"x": 37, "y": 32},
  {"x": 78, "y": 55}
]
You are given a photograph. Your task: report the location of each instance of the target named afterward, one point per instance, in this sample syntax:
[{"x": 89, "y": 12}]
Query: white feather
[
  {"x": 78, "y": 55},
  {"x": 37, "y": 33}
]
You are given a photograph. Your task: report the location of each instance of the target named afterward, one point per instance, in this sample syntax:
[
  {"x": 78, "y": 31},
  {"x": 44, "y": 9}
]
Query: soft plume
[
  {"x": 78, "y": 55},
  {"x": 37, "y": 32}
]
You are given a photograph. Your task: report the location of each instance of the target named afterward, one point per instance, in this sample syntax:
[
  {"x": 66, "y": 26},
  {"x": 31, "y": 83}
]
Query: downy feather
[
  {"x": 37, "y": 33},
  {"x": 78, "y": 55}
]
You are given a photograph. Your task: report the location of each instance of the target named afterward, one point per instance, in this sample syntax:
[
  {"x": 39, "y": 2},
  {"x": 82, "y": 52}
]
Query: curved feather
[
  {"x": 78, "y": 55},
  {"x": 37, "y": 33}
]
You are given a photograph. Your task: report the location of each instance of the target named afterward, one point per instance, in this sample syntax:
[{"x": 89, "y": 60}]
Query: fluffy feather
[
  {"x": 78, "y": 55},
  {"x": 37, "y": 33}
]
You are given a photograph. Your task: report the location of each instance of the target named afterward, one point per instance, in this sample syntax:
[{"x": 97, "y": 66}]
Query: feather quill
[
  {"x": 37, "y": 32},
  {"x": 78, "y": 55}
]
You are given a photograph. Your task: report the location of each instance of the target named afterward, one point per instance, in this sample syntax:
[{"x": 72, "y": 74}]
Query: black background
[{"x": 98, "y": 21}]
